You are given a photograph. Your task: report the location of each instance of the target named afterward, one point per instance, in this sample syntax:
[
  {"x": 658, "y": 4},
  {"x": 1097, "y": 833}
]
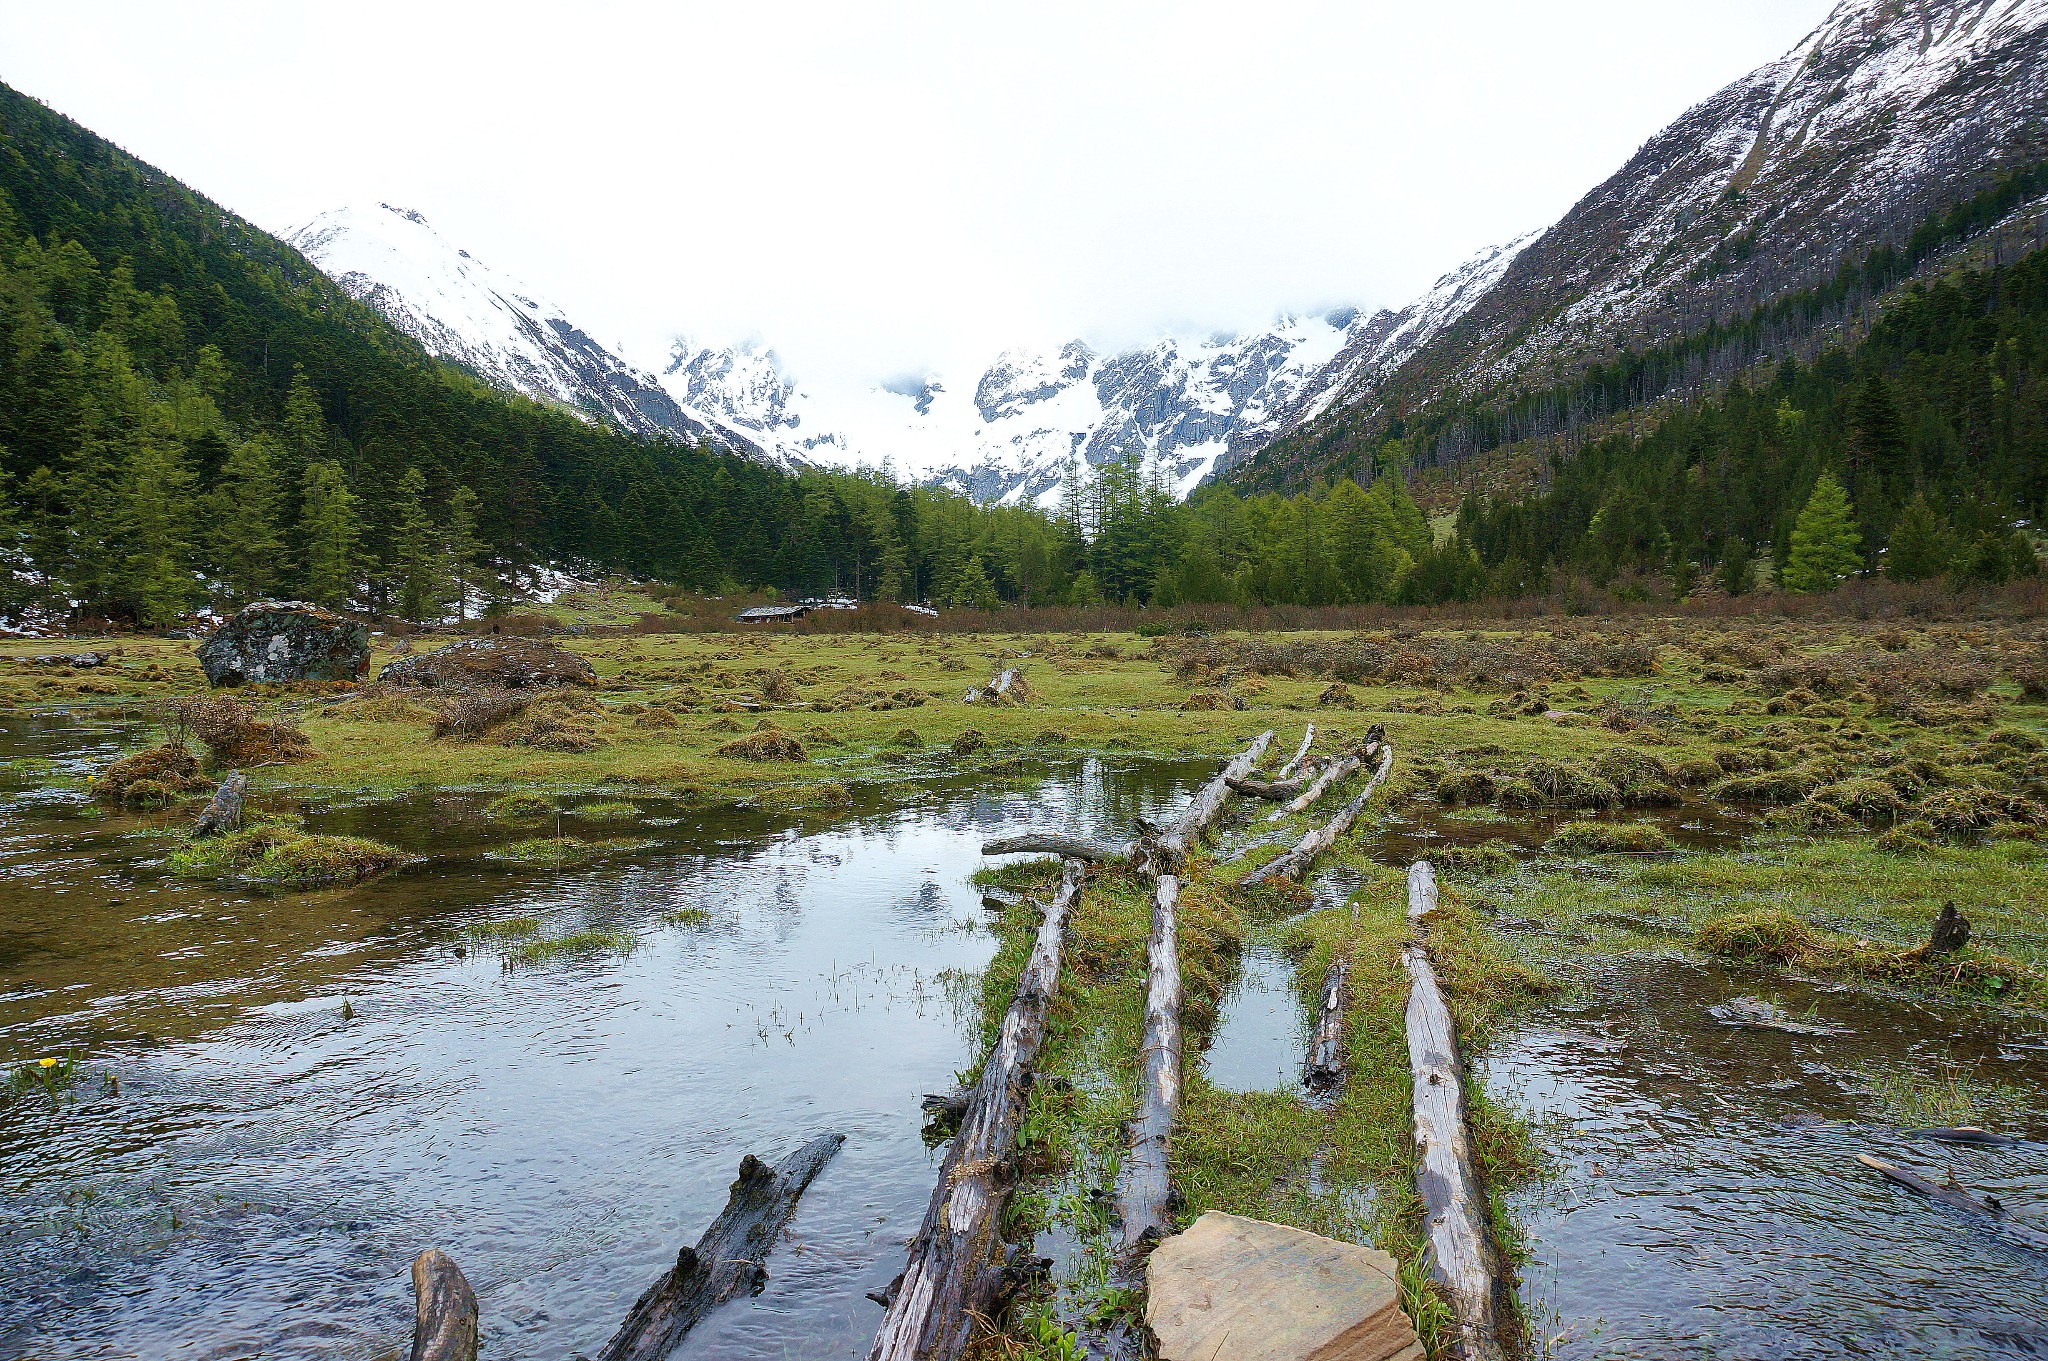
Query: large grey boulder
[
  {"x": 491, "y": 662},
  {"x": 286, "y": 640}
]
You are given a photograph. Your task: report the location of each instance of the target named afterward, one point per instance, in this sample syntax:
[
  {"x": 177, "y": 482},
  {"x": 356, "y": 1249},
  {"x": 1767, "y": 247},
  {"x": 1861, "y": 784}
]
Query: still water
[
  {"x": 1706, "y": 1201},
  {"x": 314, "y": 1088}
]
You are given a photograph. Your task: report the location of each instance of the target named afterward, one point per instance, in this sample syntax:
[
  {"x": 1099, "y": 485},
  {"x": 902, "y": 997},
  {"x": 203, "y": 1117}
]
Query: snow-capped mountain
[
  {"x": 1889, "y": 112},
  {"x": 1008, "y": 433},
  {"x": 1012, "y": 431},
  {"x": 492, "y": 325}
]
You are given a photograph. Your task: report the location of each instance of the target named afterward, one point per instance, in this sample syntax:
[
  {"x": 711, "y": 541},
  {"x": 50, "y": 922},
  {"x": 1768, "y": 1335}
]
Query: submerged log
[
  {"x": 1325, "y": 1069},
  {"x": 728, "y": 1261},
  {"x": 1296, "y": 862},
  {"x": 957, "y": 1268},
  {"x": 1462, "y": 1258},
  {"x": 1308, "y": 739},
  {"x": 444, "y": 1310},
  {"x": 1058, "y": 843},
  {"x": 223, "y": 812},
  {"x": 1147, "y": 1187},
  {"x": 1959, "y": 1198}
]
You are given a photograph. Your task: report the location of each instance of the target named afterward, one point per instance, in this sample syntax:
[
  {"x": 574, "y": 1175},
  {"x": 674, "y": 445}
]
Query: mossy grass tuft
[{"x": 279, "y": 857}]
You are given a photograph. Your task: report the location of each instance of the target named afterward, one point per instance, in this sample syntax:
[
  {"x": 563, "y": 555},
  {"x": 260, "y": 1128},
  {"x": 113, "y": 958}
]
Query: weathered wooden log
[
  {"x": 1951, "y": 933},
  {"x": 444, "y": 1310},
  {"x": 957, "y": 1267},
  {"x": 728, "y": 1261},
  {"x": 1147, "y": 1189},
  {"x": 1959, "y": 1198},
  {"x": 1162, "y": 852},
  {"x": 1005, "y": 685},
  {"x": 1066, "y": 846},
  {"x": 1324, "y": 1071},
  {"x": 1273, "y": 791},
  {"x": 1296, "y": 862},
  {"x": 1339, "y": 768},
  {"x": 1968, "y": 1134},
  {"x": 1462, "y": 1257},
  {"x": 223, "y": 812},
  {"x": 1308, "y": 739}
]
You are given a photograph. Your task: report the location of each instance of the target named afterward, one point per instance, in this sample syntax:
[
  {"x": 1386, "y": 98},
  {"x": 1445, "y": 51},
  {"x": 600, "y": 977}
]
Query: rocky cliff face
[{"x": 1890, "y": 111}]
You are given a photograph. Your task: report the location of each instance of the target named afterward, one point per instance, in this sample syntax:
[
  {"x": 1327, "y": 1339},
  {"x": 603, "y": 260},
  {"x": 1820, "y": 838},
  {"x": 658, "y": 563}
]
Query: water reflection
[
  {"x": 1708, "y": 1203},
  {"x": 273, "y": 1160}
]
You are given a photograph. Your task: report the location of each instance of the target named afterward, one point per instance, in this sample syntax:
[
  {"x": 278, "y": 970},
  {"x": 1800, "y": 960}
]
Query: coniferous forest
[{"x": 190, "y": 413}]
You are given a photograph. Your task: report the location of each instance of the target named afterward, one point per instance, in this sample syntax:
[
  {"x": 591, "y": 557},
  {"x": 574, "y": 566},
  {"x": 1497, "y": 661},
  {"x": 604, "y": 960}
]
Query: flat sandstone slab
[{"x": 1253, "y": 1291}]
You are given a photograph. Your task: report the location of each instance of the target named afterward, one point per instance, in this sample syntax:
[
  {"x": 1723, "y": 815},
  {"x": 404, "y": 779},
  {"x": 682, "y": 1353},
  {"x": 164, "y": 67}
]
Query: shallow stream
[{"x": 313, "y": 1088}]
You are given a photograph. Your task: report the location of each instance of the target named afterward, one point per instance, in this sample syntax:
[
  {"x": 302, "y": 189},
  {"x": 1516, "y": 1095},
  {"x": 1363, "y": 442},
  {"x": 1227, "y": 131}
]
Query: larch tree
[{"x": 1825, "y": 540}]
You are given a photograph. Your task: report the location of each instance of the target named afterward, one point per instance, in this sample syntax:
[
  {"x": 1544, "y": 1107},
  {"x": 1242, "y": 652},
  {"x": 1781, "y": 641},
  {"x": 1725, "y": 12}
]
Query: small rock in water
[{"x": 1754, "y": 1013}]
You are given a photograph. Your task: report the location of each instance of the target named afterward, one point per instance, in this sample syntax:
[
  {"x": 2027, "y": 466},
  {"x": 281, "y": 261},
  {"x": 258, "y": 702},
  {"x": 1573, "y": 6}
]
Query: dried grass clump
[
  {"x": 375, "y": 707},
  {"x": 1608, "y": 838},
  {"x": 1694, "y": 771},
  {"x": 1974, "y": 808},
  {"x": 1209, "y": 702},
  {"x": 1567, "y": 786},
  {"x": 1770, "y": 936},
  {"x": 769, "y": 744},
  {"x": 471, "y": 713},
  {"x": 1862, "y": 797},
  {"x": 560, "y": 720},
  {"x": 2030, "y": 673},
  {"x": 969, "y": 742},
  {"x": 1435, "y": 660},
  {"x": 655, "y": 718},
  {"x": 151, "y": 778},
  {"x": 1488, "y": 857},
  {"x": 851, "y": 697}
]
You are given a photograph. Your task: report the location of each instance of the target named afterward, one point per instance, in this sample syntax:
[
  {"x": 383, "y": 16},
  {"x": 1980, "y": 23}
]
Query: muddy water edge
[{"x": 283, "y": 1099}]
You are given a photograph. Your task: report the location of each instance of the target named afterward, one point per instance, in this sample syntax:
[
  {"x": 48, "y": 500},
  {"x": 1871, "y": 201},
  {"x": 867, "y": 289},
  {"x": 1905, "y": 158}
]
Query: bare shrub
[{"x": 233, "y": 733}]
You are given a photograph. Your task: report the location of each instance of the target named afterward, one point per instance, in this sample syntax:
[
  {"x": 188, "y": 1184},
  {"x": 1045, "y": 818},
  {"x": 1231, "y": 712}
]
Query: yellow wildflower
[{"x": 46, "y": 1063}]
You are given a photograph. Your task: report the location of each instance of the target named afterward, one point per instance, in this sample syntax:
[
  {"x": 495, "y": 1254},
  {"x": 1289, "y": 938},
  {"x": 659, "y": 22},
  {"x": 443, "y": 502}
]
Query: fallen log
[
  {"x": 1296, "y": 862},
  {"x": 443, "y": 1308},
  {"x": 728, "y": 1261},
  {"x": 956, "y": 1270},
  {"x": 1325, "y": 1068},
  {"x": 1163, "y": 851},
  {"x": 1968, "y": 1134},
  {"x": 1007, "y": 684},
  {"x": 223, "y": 812},
  {"x": 1958, "y": 1198},
  {"x": 1334, "y": 770},
  {"x": 1308, "y": 739},
  {"x": 1147, "y": 1188},
  {"x": 1058, "y": 843},
  {"x": 1462, "y": 1258},
  {"x": 1273, "y": 791}
]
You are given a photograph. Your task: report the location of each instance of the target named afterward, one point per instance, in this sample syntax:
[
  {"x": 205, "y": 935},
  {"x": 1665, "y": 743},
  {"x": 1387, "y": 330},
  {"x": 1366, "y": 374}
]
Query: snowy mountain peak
[{"x": 500, "y": 330}]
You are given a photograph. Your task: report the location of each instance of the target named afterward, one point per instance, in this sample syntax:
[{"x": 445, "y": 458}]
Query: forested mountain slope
[
  {"x": 1886, "y": 116},
  {"x": 188, "y": 407}
]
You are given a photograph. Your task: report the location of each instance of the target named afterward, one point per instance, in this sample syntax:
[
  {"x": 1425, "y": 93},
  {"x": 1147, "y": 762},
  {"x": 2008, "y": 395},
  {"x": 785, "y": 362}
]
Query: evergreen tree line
[{"x": 1921, "y": 451}]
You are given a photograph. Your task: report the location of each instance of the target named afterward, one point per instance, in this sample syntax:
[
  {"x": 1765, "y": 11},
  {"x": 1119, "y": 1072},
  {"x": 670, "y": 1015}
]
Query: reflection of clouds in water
[{"x": 560, "y": 1128}]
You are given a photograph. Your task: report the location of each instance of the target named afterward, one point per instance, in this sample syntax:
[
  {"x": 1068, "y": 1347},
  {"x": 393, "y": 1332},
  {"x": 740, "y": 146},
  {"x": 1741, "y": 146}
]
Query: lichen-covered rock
[
  {"x": 493, "y": 662},
  {"x": 286, "y": 640}
]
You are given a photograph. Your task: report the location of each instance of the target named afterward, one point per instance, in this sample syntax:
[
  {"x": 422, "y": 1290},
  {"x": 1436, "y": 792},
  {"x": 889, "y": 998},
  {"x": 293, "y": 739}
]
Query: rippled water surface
[
  {"x": 314, "y": 1088},
  {"x": 1708, "y": 1202}
]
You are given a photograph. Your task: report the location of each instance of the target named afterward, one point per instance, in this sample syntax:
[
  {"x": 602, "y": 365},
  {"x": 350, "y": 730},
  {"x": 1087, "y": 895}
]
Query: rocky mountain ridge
[{"x": 1889, "y": 112}]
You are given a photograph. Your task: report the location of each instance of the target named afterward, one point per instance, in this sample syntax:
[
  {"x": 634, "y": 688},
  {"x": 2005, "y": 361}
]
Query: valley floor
[{"x": 1774, "y": 805}]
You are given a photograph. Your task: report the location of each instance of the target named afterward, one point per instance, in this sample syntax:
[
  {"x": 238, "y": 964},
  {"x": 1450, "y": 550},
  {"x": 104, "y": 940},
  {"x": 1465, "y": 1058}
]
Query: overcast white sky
[{"x": 879, "y": 189}]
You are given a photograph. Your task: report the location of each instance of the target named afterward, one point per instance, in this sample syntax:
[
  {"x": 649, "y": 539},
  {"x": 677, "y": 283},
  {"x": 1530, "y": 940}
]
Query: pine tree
[
  {"x": 1825, "y": 540},
  {"x": 417, "y": 562},
  {"x": 329, "y": 532},
  {"x": 243, "y": 516},
  {"x": 1919, "y": 548},
  {"x": 305, "y": 425},
  {"x": 1877, "y": 432},
  {"x": 154, "y": 529},
  {"x": 466, "y": 551}
]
